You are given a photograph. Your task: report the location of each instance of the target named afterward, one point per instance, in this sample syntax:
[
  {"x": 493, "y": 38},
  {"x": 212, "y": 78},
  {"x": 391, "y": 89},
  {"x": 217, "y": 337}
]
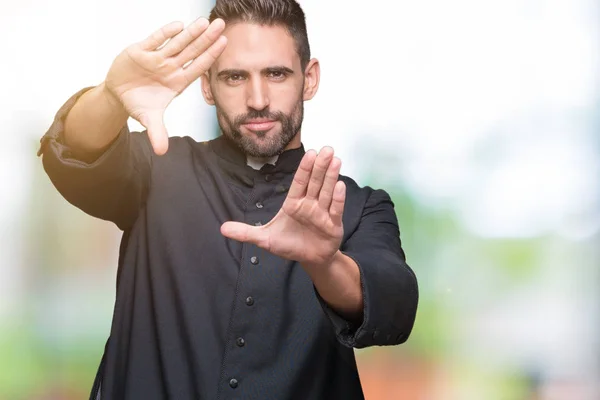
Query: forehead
[{"x": 253, "y": 46}]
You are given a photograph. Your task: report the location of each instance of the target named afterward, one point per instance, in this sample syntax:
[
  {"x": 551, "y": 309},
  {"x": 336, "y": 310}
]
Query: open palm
[
  {"x": 147, "y": 76},
  {"x": 309, "y": 227}
]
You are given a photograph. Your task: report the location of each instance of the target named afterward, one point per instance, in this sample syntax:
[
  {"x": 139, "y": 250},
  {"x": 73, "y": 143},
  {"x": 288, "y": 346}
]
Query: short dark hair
[{"x": 286, "y": 13}]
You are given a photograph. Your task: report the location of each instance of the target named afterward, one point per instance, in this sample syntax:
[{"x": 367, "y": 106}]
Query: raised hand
[
  {"x": 308, "y": 228},
  {"x": 147, "y": 76}
]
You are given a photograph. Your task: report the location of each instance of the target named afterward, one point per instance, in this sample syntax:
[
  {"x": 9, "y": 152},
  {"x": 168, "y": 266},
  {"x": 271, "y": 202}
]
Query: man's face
[{"x": 257, "y": 88}]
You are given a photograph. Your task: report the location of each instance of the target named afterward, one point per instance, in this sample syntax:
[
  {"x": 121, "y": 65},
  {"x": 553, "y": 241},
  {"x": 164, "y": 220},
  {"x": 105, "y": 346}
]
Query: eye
[
  {"x": 235, "y": 78},
  {"x": 277, "y": 75}
]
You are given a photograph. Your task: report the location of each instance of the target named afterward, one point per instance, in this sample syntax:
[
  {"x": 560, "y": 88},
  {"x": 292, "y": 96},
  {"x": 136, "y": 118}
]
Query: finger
[
  {"x": 331, "y": 178},
  {"x": 337, "y": 204},
  {"x": 157, "y": 133},
  {"x": 202, "y": 64},
  {"x": 302, "y": 175},
  {"x": 318, "y": 173},
  {"x": 179, "y": 42},
  {"x": 244, "y": 233},
  {"x": 199, "y": 43},
  {"x": 159, "y": 37}
]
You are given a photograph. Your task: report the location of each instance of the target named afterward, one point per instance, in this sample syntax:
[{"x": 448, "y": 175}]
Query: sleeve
[
  {"x": 389, "y": 286},
  {"x": 111, "y": 185}
]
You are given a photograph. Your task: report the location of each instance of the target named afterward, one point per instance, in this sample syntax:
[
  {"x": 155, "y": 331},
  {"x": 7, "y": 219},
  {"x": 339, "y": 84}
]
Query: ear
[
  {"x": 206, "y": 89},
  {"x": 312, "y": 74}
]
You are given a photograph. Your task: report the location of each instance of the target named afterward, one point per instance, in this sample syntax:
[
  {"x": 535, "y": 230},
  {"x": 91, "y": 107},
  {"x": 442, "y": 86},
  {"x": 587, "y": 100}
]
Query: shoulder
[
  {"x": 177, "y": 144},
  {"x": 364, "y": 206},
  {"x": 182, "y": 148},
  {"x": 183, "y": 151},
  {"x": 366, "y": 195},
  {"x": 186, "y": 144}
]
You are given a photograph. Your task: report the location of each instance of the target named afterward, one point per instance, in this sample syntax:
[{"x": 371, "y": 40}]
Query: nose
[{"x": 257, "y": 96}]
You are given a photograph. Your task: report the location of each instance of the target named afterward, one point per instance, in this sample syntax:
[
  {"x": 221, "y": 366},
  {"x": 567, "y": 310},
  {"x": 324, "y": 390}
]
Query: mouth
[{"x": 260, "y": 124}]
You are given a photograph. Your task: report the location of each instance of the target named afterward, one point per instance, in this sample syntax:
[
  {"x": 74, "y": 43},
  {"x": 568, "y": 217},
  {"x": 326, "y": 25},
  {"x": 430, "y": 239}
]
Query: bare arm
[{"x": 94, "y": 122}]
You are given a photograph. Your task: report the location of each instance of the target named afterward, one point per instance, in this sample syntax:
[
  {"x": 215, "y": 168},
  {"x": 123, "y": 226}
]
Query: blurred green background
[{"x": 480, "y": 118}]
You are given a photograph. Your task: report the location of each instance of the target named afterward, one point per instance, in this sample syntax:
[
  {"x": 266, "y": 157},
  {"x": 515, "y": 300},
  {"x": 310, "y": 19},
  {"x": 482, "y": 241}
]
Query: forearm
[
  {"x": 339, "y": 285},
  {"x": 94, "y": 121}
]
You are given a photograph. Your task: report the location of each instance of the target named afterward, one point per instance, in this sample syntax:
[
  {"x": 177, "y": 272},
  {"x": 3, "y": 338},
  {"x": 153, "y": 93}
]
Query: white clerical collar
[{"x": 258, "y": 162}]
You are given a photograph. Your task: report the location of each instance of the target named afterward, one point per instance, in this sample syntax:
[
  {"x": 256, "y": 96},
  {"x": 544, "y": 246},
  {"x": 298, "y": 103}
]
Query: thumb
[
  {"x": 159, "y": 138},
  {"x": 243, "y": 232}
]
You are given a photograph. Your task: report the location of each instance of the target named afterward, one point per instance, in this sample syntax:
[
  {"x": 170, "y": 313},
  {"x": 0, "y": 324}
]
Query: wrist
[
  {"x": 320, "y": 270},
  {"x": 111, "y": 99}
]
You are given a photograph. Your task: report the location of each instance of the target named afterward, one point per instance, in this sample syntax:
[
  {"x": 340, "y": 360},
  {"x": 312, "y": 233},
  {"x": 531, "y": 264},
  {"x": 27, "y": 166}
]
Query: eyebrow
[{"x": 277, "y": 68}]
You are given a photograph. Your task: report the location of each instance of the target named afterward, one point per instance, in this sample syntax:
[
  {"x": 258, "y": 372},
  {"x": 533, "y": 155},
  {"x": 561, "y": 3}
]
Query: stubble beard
[{"x": 262, "y": 144}]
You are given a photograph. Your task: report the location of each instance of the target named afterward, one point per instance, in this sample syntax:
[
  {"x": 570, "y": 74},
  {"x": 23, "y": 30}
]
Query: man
[{"x": 248, "y": 268}]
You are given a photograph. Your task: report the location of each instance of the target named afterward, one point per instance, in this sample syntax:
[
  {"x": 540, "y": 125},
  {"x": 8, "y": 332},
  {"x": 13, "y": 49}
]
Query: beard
[{"x": 262, "y": 144}]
